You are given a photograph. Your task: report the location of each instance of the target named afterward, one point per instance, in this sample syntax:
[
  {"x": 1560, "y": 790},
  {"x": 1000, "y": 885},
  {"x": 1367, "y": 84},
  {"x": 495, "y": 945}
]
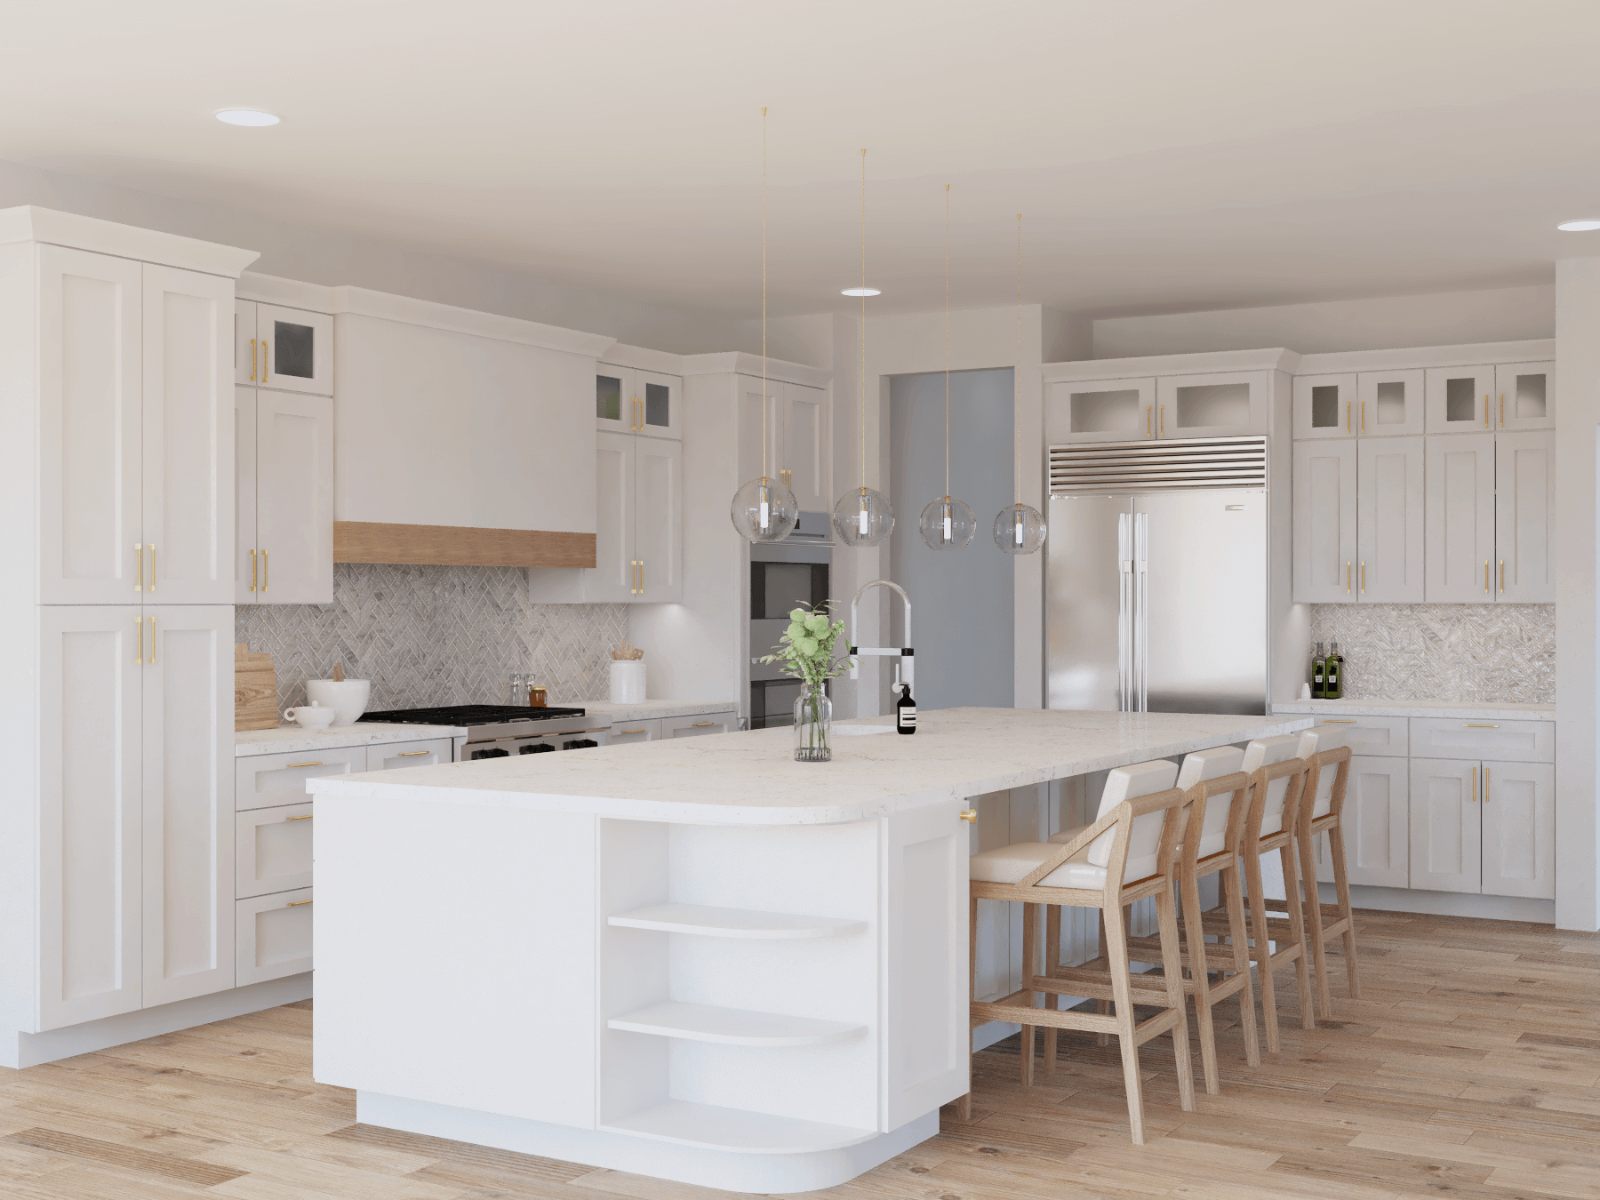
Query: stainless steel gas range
[{"x": 503, "y": 730}]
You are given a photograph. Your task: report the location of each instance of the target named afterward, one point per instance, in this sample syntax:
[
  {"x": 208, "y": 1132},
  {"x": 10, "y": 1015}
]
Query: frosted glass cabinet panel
[
  {"x": 1324, "y": 406},
  {"x": 1116, "y": 410},
  {"x": 1213, "y": 405},
  {"x": 1525, "y": 491},
  {"x": 1460, "y": 518},
  {"x": 1525, "y": 396},
  {"x": 1389, "y": 404},
  {"x": 1325, "y": 522},
  {"x": 628, "y": 400},
  {"x": 1460, "y": 399},
  {"x": 1389, "y": 524}
]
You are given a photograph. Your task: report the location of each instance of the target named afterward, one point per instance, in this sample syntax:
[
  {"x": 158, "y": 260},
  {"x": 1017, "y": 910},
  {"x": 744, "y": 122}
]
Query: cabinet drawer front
[
  {"x": 624, "y": 732},
  {"x": 273, "y": 780},
  {"x": 410, "y": 754},
  {"x": 694, "y": 726},
  {"x": 1384, "y": 737},
  {"x": 272, "y": 848},
  {"x": 1507, "y": 741},
  {"x": 273, "y": 936}
]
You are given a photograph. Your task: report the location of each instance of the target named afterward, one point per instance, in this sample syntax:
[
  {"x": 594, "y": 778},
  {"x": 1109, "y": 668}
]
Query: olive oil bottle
[
  {"x": 1319, "y": 674},
  {"x": 1334, "y": 673}
]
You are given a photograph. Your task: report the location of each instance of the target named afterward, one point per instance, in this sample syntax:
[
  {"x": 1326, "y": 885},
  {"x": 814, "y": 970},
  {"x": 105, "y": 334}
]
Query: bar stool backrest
[
  {"x": 1268, "y": 752},
  {"x": 1197, "y": 768},
  {"x": 1144, "y": 840},
  {"x": 1313, "y": 742}
]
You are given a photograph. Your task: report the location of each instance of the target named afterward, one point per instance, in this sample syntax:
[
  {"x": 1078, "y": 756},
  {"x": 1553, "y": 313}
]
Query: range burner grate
[{"x": 470, "y": 714}]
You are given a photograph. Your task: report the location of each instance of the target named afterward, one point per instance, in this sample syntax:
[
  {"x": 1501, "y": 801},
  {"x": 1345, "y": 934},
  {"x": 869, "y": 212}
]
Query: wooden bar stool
[
  {"x": 1277, "y": 778},
  {"x": 1218, "y": 803},
  {"x": 1125, "y": 856},
  {"x": 1322, "y": 811}
]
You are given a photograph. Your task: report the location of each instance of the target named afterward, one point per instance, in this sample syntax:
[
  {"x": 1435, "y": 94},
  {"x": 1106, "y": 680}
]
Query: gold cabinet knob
[{"x": 970, "y": 816}]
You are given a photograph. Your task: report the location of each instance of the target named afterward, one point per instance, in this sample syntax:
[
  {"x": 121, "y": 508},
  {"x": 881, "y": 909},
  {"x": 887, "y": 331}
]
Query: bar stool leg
[
  {"x": 1116, "y": 936},
  {"x": 964, "y": 1104},
  {"x": 1172, "y": 966},
  {"x": 1030, "y": 968},
  {"x": 1297, "y": 933},
  {"x": 1341, "y": 885},
  {"x": 1052, "y": 960},
  {"x": 1103, "y": 1007},
  {"x": 1261, "y": 952},
  {"x": 1228, "y": 883},
  {"x": 1201, "y": 977},
  {"x": 1313, "y": 911}
]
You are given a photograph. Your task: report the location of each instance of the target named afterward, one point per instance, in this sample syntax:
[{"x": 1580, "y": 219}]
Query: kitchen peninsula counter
[{"x": 696, "y": 960}]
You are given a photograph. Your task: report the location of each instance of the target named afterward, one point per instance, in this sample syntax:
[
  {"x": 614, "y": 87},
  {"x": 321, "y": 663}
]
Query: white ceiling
[{"x": 1166, "y": 154}]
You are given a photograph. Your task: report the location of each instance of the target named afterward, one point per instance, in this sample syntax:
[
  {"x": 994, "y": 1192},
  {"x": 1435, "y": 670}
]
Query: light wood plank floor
[{"x": 1470, "y": 1068}]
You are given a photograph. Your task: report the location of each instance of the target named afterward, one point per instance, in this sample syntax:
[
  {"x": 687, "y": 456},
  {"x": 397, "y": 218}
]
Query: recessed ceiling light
[
  {"x": 1578, "y": 226},
  {"x": 246, "y": 116},
  {"x": 861, "y": 291}
]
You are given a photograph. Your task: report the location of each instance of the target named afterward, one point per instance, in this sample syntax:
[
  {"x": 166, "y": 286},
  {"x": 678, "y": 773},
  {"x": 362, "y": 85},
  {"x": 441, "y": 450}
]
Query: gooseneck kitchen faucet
[{"x": 905, "y": 654}]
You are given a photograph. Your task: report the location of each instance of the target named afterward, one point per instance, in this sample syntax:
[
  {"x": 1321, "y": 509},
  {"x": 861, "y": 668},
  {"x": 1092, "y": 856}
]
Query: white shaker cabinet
[
  {"x": 1525, "y": 491},
  {"x": 1389, "y": 520},
  {"x": 285, "y": 498},
  {"x": 631, "y": 400},
  {"x": 1113, "y": 410},
  {"x": 1389, "y": 404},
  {"x": 658, "y": 519},
  {"x": 1325, "y": 522},
  {"x": 1221, "y": 405},
  {"x": 1376, "y": 824},
  {"x": 698, "y": 725},
  {"x": 273, "y": 936},
  {"x": 1525, "y": 396},
  {"x": 1460, "y": 399},
  {"x": 1324, "y": 406},
  {"x": 1460, "y": 518},
  {"x": 1519, "y": 829},
  {"x": 288, "y": 349},
  {"x": 1446, "y": 829},
  {"x": 803, "y": 457}
]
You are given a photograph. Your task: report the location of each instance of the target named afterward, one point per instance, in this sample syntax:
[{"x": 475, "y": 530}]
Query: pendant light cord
[
  {"x": 764, "y": 400},
  {"x": 861, "y": 395},
  {"x": 1016, "y": 381},
  {"x": 947, "y": 345}
]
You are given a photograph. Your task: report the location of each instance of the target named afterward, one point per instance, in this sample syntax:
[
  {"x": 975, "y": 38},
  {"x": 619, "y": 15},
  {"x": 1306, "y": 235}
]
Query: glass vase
[{"x": 813, "y": 725}]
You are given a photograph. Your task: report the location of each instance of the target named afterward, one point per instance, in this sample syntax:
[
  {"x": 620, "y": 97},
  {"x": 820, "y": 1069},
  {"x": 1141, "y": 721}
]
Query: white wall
[
  {"x": 330, "y": 258},
  {"x": 1389, "y": 322},
  {"x": 1577, "y": 765}
]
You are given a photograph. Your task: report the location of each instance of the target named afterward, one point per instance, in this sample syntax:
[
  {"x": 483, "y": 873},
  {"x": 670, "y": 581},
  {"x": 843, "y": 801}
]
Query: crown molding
[
  {"x": 1276, "y": 359},
  {"x": 30, "y": 223},
  {"x": 737, "y": 362}
]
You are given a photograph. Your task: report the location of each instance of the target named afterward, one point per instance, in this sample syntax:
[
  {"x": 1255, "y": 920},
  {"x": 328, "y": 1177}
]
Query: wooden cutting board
[{"x": 255, "y": 690}]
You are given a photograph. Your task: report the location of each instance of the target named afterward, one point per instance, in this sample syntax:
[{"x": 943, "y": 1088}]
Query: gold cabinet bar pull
[
  {"x": 1347, "y": 578},
  {"x": 641, "y": 577},
  {"x": 970, "y": 816},
  {"x": 1475, "y": 784},
  {"x": 702, "y": 724},
  {"x": 1147, "y": 420},
  {"x": 303, "y": 817},
  {"x": 151, "y": 661},
  {"x": 266, "y": 570},
  {"x": 151, "y": 546},
  {"x": 1161, "y": 424},
  {"x": 1332, "y": 721},
  {"x": 1470, "y": 725},
  {"x": 138, "y": 649},
  {"x": 412, "y": 753},
  {"x": 1502, "y": 426},
  {"x": 265, "y": 359},
  {"x": 1347, "y": 427},
  {"x": 138, "y": 562},
  {"x": 253, "y": 571},
  {"x": 1363, "y": 579},
  {"x": 296, "y": 903},
  {"x": 292, "y": 766},
  {"x": 1502, "y": 577},
  {"x": 626, "y": 732},
  {"x": 252, "y": 360},
  {"x": 1363, "y": 418},
  {"x": 1486, "y": 785},
  {"x": 1486, "y": 410},
  {"x": 1486, "y": 577}
]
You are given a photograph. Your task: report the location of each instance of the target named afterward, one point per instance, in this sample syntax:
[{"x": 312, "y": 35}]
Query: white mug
[{"x": 309, "y": 716}]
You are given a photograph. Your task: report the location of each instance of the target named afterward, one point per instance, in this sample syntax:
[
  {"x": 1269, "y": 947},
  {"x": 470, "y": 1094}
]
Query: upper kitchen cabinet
[
  {"x": 1525, "y": 396},
  {"x": 797, "y": 432},
  {"x": 135, "y": 420},
  {"x": 1222, "y": 405},
  {"x": 1325, "y": 522},
  {"x": 1389, "y": 520},
  {"x": 1115, "y": 410},
  {"x": 1460, "y": 399},
  {"x": 1325, "y": 406},
  {"x": 288, "y": 349},
  {"x": 1460, "y": 519},
  {"x": 1525, "y": 497},
  {"x": 284, "y": 539},
  {"x": 1389, "y": 404},
  {"x": 633, "y": 400}
]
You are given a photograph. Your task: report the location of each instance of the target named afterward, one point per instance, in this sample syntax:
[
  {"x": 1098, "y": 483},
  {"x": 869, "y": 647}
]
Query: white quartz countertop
[
  {"x": 752, "y": 778},
  {"x": 291, "y": 739},
  {"x": 647, "y": 710},
  {"x": 1420, "y": 708}
]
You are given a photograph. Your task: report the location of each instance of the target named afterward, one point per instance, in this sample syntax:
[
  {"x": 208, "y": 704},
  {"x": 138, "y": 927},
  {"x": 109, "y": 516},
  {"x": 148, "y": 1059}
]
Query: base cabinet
[
  {"x": 1483, "y": 826},
  {"x": 274, "y": 936},
  {"x": 1377, "y": 825}
]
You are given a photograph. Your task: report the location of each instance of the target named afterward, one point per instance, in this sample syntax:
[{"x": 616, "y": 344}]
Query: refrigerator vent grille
[{"x": 1145, "y": 466}]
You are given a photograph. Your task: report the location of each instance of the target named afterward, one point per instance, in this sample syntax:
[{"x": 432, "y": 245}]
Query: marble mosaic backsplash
[
  {"x": 435, "y": 635},
  {"x": 1493, "y": 653}
]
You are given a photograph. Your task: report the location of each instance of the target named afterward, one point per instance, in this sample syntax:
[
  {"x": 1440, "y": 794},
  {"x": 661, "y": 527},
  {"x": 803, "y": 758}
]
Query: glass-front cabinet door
[
  {"x": 1525, "y": 395},
  {"x": 659, "y": 401},
  {"x": 1113, "y": 410},
  {"x": 1460, "y": 399},
  {"x": 1389, "y": 404},
  {"x": 1221, "y": 405},
  {"x": 1324, "y": 406},
  {"x": 289, "y": 349},
  {"x": 615, "y": 408}
]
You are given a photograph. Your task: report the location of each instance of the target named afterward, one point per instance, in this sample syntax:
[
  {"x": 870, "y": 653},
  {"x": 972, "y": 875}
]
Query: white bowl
[
  {"x": 347, "y": 697},
  {"x": 310, "y": 716}
]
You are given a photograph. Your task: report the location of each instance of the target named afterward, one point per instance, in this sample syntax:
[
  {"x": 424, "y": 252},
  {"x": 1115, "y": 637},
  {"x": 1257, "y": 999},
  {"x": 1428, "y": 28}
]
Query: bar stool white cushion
[
  {"x": 1144, "y": 844},
  {"x": 1199, "y": 767},
  {"x": 1266, "y": 752},
  {"x": 1011, "y": 864},
  {"x": 1314, "y": 741}
]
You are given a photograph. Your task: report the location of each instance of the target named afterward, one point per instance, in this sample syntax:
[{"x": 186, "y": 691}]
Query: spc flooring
[{"x": 1469, "y": 1068}]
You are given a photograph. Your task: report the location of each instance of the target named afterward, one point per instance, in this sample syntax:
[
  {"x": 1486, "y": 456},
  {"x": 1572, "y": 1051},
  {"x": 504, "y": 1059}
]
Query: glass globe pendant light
[
  {"x": 863, "y": 517},
  {"x": 764, "y": 509},
  {"x": 1019, "y": 528},
  {"x": 947, "y": 523}
]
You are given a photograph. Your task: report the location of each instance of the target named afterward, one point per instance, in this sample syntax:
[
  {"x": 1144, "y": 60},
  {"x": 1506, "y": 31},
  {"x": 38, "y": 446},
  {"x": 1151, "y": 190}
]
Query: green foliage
[{"x": 806, "y": 648}]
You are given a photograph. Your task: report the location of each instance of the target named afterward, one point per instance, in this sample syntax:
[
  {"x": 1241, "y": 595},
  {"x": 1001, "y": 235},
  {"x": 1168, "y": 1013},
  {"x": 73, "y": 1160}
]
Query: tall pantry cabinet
[{"x": 117, "y": 528}]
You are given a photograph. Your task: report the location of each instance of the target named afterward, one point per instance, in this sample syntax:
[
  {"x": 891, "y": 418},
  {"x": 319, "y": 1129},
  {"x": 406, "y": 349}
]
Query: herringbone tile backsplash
[
  {"x": 1492, "y": 653},
  {"x": 436, "y": 635}
]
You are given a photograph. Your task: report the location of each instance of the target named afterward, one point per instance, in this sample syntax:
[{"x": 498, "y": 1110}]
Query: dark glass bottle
[
  {"x": 1335, "y": 676},
  {"x": 905, "y": 711},
  {"x": 1319, "y": 674}
]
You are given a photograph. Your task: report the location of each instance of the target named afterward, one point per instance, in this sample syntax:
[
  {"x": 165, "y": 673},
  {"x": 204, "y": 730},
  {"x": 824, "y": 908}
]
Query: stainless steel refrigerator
[{"x": 1157, "y": 577}]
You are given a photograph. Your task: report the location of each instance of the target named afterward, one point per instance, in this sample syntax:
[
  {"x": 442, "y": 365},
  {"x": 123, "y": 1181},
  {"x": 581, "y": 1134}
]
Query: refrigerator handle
[
  {"x": 1124, "y": 613},
  {"x": 1142, "y": 547}
]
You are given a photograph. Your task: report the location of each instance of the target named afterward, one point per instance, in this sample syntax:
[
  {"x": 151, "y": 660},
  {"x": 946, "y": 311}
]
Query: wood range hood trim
[{"x": 459, "y": 546}]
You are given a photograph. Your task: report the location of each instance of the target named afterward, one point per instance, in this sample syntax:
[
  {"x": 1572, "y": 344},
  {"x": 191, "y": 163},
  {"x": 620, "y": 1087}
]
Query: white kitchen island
[{"x": 694, "y": 960}]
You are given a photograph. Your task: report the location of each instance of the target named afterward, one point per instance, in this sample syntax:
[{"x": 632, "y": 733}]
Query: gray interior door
[
  {"x": 1083, "y": 594},
  {"x": 1206, "y": 615}
]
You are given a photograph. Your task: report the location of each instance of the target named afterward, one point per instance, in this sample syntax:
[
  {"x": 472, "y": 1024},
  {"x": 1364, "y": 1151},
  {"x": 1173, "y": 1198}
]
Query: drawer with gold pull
[
  {"x": 273, "y": 780},
  {"x": 394, "y": 755},
  {"x": 1483, "y": 737},
  {"x": 272, "y": 850}
]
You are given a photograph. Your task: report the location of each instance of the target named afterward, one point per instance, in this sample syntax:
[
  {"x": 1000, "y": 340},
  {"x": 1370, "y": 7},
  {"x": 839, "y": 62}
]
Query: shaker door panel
[
  {"x": 1446, "y": 826},
  {"x": 294, "y": 498},
  {"x": 658, "y": 519},
  {"x": 1325, "y": 522},
  {"x": 1460, "y": 518},
  {"x": 1519, "y": 830},
  {"x": 1525, "y": 500},
  {"x": 1389, "y": 502}
]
